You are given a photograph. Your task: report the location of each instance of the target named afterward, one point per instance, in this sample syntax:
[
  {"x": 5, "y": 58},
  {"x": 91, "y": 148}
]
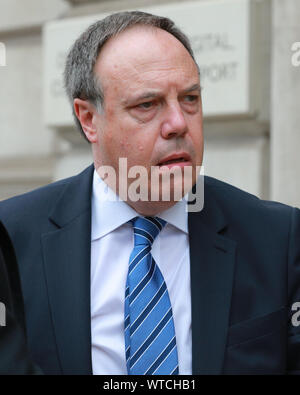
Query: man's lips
[{"x": 180, "y": 159}]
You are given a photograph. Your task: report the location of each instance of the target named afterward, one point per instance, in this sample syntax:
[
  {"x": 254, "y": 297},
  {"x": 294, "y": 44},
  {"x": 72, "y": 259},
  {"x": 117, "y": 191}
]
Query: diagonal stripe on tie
[
  {"x": 143, "y": 283},
  {"x": 162, "y": 357},
  {"x": 150, "y": 341},
  {"x": 148, "y": 308},
  {"x": 138, "y": 258},
  {"x": 151, "y": 338}
]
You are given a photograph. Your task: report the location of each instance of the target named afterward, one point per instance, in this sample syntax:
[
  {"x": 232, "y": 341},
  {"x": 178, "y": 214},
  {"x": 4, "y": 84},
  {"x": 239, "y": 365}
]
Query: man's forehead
[
  {"x": 142, "y": 45},
  {"x": 137, "y": 35}
]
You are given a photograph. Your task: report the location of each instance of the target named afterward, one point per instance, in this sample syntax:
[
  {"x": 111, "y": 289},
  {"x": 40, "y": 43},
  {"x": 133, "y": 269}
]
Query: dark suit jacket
[
  {"x": 245, "y": 276},
  {"x": 14, "y": 356}
]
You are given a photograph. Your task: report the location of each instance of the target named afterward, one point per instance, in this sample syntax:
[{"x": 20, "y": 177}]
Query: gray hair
[{"x": 80, "y": 80}]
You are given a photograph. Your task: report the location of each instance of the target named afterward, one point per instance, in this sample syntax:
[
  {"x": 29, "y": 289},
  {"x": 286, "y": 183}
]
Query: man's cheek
[{"x": 125, "y": 147}]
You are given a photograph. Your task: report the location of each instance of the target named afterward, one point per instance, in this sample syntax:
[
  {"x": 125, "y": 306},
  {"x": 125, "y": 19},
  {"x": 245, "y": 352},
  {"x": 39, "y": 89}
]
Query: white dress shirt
[{"x": 111, "y": 245}]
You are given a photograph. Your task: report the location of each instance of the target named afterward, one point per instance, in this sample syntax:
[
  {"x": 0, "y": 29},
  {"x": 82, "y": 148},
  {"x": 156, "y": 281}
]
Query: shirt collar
[{"x": 109, "y": 211}]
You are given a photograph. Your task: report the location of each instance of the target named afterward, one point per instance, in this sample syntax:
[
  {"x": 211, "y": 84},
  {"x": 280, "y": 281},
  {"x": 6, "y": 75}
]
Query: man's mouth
[
  {"x": 175, "y": 159},
  {"x": 168, "y": 162}
]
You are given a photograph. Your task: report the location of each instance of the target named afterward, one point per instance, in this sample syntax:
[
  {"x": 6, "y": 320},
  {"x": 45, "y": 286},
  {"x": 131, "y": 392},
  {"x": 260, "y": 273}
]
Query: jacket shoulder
[
  {"x": 40, "y": 198},
  {"x": 238, "y": 203},
  {"x": 30, "y": 211}
]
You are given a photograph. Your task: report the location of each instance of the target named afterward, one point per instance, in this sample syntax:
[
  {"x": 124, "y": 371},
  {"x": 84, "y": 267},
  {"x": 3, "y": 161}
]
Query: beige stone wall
[
  {"x": 259, "y": 157},
  {"x": 285, "y": 114},
  {"x": 27, "y": 147}
]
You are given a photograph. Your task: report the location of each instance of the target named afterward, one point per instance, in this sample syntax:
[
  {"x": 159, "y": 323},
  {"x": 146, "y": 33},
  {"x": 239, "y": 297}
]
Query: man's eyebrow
[
  {"x": 143, "y": 96},
  {"x": 195, "y": 87},
  {"x": 155, "y": 94}
]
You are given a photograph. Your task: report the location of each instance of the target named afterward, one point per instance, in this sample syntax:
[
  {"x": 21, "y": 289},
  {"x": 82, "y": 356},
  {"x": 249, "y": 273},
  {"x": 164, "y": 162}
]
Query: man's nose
[{"x": 174, "y": 123}]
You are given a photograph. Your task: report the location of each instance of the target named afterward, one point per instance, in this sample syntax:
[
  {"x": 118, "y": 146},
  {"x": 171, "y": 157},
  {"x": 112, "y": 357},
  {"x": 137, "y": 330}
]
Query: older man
[{"x": 135, "y": 285}]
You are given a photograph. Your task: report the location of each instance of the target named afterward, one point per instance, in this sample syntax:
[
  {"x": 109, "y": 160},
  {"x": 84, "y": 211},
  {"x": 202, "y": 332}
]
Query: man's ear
[{"x": 86, "y": 114}]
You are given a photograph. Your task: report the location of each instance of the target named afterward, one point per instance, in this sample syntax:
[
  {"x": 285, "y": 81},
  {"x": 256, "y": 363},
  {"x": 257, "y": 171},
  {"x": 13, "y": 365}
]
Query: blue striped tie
[{"x": 150, "y": 340}]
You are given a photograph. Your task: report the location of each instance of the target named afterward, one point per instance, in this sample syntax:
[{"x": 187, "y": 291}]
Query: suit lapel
[
  {"x": 67, "y": 268},
  {"x": 212, "y": 269}
]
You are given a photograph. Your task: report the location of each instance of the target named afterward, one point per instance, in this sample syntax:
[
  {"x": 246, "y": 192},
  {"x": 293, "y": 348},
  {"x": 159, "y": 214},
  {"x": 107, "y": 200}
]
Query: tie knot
[{"x": 146, "y": 229}]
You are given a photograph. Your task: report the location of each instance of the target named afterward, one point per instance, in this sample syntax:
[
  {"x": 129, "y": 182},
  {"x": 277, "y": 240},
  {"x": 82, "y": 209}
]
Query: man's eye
[
  {"x": 146, "y": 105},
  {"x": 190, "y": 98}
]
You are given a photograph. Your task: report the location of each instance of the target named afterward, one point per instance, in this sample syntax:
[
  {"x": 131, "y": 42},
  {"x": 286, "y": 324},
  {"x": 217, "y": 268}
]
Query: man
[
  {"x": 140, "y": 286},
  {"x": 14, "y": 356}
]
